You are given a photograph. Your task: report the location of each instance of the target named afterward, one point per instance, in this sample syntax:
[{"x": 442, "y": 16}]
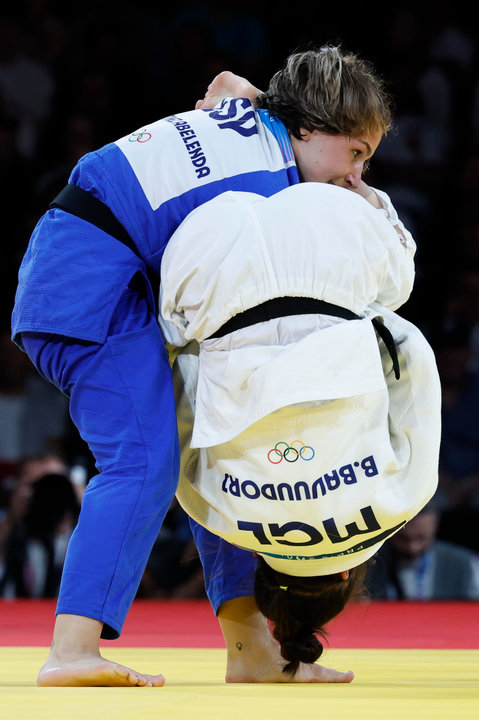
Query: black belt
[
  {"x": 83, "y": 204},
  {"x": 285, "y": 306}
]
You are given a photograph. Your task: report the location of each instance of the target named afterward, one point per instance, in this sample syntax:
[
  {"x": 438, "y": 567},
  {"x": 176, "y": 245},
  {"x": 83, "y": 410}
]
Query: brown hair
[
  {"x": 329, "y": 91},
  {"x": 300, "y": 607}
]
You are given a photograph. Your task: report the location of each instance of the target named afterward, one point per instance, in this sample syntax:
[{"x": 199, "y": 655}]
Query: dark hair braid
[
  {"x": 304, "y": 647},
  {"x": 299, "y": 607}
]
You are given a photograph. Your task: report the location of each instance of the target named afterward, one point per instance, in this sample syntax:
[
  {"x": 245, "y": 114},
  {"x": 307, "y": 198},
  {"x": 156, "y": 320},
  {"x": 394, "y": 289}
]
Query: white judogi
[{"x": 308, "y": 450}]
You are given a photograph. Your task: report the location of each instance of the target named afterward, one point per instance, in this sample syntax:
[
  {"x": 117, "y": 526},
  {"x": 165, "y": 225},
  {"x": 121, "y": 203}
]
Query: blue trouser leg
[
  {"x": 122, "y": 403},
  {"x": 228, "y": 571}
]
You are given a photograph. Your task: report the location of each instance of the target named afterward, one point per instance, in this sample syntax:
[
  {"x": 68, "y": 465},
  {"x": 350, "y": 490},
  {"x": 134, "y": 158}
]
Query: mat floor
[{"x": 429, "y": 682}]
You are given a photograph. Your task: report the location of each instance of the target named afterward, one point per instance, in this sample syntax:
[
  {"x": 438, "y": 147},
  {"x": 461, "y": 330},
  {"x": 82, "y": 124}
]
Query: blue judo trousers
[
  {"x": 84, "y": 313},
  {"x": 125, "y": 412}
]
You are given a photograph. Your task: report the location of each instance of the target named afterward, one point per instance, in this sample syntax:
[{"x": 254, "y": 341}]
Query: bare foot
[
  {"x": 253, "y": 656},
  {"x": 270, "y": 670},
  {"x": 94, "y": 671},
  {"x": 74, "y": 659}
]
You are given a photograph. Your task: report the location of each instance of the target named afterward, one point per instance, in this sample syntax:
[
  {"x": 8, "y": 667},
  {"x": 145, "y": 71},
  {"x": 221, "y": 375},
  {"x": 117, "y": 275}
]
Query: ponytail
[{"x": 300, "y": 607}]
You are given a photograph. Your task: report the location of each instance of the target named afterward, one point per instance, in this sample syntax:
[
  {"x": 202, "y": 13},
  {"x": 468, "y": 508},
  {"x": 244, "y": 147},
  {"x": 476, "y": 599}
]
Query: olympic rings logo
[
  {"x": 291, "y": 453},
  {"x": 140, "y": 137}
]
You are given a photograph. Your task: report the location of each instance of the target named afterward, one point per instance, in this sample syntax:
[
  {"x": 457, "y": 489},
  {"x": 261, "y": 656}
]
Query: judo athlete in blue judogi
[
  {"x": 92, "y": 293},
  {"x": 85, "y": 313}
]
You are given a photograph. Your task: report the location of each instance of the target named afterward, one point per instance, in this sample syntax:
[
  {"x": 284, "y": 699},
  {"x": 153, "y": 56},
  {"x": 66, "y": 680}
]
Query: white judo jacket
[{"x": 298, "y": 442}]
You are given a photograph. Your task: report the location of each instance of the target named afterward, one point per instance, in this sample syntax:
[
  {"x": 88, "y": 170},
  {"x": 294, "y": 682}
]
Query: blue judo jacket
[{"x": 73, "y": 273}]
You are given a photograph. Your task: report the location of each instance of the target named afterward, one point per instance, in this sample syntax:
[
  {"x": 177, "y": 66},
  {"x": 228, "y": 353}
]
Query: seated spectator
[
  {"x": 33, "y": 414},
  {"x": 457, "y": 359},
  {"x": 27, "y": 84},
  {"x": 42, "y": 515},
  {"x": 415, "y": 565}
]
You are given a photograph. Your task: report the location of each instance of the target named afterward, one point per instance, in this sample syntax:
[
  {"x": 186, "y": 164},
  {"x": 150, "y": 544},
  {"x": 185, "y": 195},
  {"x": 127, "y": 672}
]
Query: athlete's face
[
  {"x": 336, "y": 159},
  {"x": 417, "y": 535}
]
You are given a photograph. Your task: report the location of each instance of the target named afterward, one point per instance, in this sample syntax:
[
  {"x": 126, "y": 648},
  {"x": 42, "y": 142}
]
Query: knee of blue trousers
[
  {"x": 228, "y": 571},
  {"x": 124, "y": 408}
]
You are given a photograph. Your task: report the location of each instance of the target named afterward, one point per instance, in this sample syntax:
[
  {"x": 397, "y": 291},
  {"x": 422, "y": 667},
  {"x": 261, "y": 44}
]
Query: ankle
[{"x": 75, "y": 637}]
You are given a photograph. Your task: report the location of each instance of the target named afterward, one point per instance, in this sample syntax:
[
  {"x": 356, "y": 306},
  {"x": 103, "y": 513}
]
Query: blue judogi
[{"x": 85, "y": 313}]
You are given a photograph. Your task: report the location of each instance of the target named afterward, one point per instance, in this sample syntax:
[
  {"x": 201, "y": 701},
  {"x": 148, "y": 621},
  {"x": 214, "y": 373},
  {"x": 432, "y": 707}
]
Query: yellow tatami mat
[{"x": 389, "y": 685}]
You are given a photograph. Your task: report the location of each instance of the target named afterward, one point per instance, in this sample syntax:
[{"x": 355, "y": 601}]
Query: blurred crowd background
[{"x": 73, "y": 78}]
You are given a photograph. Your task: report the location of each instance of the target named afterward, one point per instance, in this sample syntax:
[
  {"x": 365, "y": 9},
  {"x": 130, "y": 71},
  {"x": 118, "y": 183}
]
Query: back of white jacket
[
  {"x": 239, "y": 250},
  {"x": 310, "y": 451}
]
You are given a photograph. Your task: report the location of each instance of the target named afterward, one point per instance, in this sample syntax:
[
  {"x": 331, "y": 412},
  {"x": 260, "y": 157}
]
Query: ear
[
  {"x": 305, "y": 134},
  {"x": 344, "y": 575}
]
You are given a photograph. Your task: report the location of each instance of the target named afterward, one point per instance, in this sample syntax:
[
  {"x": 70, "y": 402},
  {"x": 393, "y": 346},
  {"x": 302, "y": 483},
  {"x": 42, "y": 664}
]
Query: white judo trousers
[{"x": 298, "y": 441}]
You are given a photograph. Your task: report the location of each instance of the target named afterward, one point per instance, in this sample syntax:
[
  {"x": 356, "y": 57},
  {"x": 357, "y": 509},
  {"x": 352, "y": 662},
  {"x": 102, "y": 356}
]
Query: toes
[
  {"x": 131, "y": 677},
  {"x": 339, "y": 677}
]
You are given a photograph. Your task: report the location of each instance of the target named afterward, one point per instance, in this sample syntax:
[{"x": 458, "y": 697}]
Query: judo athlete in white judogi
[{"x": 302, "y": 440}]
